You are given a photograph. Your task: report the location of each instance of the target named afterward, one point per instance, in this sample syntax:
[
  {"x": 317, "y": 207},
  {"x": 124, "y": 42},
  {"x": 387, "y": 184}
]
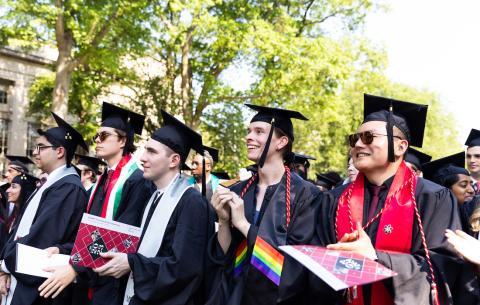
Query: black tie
[
  {"x": 374, "y": 202},
  {"x": 156, "y": 199}
]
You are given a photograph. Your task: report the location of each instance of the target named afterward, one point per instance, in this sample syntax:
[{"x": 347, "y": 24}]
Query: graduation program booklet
[
  {"x": 97, "y": 235},
  {"x": 339, "y": 269},
  {"x": 33, "y": 261}
]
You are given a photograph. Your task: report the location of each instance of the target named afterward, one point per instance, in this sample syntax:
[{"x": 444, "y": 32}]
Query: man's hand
[
  {"x": 52, "y": 250},
  {"x": 4, "y": 283},
  {"x": 220, "y": 200},
  {"x": 361, "y": 245},
  {"x": 61, "y": 277},
  {"x": 117, "y": 266},
  {"x": 238, "y": 214},
  {"x": 465, "y": 245}
]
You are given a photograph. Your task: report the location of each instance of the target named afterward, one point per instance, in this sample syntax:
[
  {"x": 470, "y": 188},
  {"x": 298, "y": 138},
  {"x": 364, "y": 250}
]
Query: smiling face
[
  {"x": 257, "y": 135},
  {"x": 373, "y": 157},
  {"x": 13, "y": 192}
]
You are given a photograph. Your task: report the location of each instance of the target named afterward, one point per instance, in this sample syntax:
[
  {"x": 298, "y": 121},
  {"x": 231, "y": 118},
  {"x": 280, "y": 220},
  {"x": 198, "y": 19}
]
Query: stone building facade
[{"x": 17, "y": 72}]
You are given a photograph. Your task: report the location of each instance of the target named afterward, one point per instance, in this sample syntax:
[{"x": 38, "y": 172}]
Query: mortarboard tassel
[
  {"x": 263, "y": 156},
  {"x": 391, "y": 156},
  {"x": 204, "y": 183}
]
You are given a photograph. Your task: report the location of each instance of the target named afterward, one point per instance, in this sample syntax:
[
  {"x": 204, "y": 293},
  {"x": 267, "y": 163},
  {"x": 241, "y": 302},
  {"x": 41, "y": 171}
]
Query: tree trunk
[
  {"x": 186, "y": 85},
  {"x": 63, "y": 76}
]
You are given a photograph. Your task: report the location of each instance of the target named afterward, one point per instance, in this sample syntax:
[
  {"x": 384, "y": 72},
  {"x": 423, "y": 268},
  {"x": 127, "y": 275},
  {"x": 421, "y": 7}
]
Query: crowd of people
[{"x": 208, "y": 239}]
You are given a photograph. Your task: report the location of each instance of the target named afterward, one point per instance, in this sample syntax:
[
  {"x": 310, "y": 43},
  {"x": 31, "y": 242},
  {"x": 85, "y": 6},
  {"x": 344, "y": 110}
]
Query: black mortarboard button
[
  {"x": 473, "y": 138},
  {"x": 91, "y": 162},
  {"x": 66, "y": 135},
  {"x": 24, "y": 179},
  {"x": 438, "y": 170},
  {"x": 416, "y": 157},
  {"x": 213, "y": 153},
  {"x": 21, "y": 162},
  {"x": 410, "y": 118},
  {"x": 278, "y": 118},
  {"x": 122, "y": 119},
  {"x": 221, "y": 175}
]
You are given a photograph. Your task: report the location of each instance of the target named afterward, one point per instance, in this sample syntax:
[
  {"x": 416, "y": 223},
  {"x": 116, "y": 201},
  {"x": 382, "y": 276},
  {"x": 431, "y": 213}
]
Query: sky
[{"x": 434, "y": 45}]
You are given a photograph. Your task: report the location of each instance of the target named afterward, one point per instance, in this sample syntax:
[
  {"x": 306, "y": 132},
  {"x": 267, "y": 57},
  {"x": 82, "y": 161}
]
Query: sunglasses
[
  {"x": 102, "y": 136},
  {"x": 366, "y": 137}
]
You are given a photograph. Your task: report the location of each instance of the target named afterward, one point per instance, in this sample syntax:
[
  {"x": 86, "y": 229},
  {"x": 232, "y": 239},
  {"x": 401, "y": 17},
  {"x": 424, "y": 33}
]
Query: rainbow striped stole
[
  {"x": 267, "y": 260},
  {"x": 240, "y": 258}
]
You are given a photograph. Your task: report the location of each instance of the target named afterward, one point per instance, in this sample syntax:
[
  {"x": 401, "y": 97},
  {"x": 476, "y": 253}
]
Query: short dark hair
[
  {"x": 56, "y": 143},
  {"x": 129, "y": 148},
  {"x": 287, "y": 150}
]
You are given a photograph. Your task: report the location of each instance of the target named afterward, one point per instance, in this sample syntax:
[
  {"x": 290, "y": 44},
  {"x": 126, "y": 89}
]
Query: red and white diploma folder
[
  {"x": 97, "y": 235},
  {"x": 339, "y": 269}
]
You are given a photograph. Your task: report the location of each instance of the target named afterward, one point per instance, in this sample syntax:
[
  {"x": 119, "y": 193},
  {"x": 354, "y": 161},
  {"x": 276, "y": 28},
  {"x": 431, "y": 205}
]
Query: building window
[
  {"x": 3, "y": 137},
  {"x": 3, "y": 94},
  {"x": 32, "y": 135}
]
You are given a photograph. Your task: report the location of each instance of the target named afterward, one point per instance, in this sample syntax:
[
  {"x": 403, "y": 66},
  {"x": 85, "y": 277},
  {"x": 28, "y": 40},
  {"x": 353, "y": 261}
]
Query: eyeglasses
[
  {"x": 366, "y": 137},
  {"x": 102, "y": 136},
  {"x": 39, "y": 148}
]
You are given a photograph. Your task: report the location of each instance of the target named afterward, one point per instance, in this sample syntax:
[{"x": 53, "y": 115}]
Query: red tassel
[{"x": 435, "y": 299}]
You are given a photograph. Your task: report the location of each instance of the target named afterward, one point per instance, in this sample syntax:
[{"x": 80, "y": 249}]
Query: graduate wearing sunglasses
[{"x": 390, "y": 215}]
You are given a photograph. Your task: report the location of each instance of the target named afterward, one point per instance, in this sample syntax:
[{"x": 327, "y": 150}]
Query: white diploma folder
[{"x": 32, "y": 261}]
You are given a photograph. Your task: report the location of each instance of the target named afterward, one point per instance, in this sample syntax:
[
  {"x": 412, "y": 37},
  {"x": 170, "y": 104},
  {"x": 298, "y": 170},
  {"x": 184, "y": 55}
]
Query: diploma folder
[
  {"x": 339, "y": 269},
  {"x": 97, "y": 235},
  {"x": 33, "y": 261}
]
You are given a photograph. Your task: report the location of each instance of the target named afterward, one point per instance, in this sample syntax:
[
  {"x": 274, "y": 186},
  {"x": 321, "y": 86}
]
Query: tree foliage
[{"x": 182, "y": 56}]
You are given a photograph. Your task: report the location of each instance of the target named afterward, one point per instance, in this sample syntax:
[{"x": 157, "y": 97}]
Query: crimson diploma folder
[
  {"x": 339, "y": 269},
  {"x": 97, "y": 235}
]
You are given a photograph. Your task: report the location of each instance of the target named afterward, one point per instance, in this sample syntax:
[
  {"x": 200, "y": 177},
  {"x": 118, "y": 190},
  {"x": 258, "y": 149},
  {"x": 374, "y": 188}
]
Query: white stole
[
  {"x": 28, "y": 216},
  {"x": 153, "y": 237}
]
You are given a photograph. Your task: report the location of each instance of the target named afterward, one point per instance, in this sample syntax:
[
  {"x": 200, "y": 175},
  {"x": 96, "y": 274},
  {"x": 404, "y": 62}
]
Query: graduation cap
[
  {"x": 302, "y": 159},
  {"x": 180, "y": 138},
  {"x": 213, "y": 152},
  {"x": 122, "y": 119},
  {"x": 473, "y": 138},
  {"x": 410, "y": 118},
  {"x": 221, "y": 175},
  {"x": 328, "y": 180},
  {"x": 65, "y": 135},
  {"x": 278, "y": 118},
  {"x": 440, "y": 169},
  {"x": 19, "y": 162},
  {"x": 25, "y": 179},
  {"x": 91, "y": 162},
  {"x": 416, "y": 157}
]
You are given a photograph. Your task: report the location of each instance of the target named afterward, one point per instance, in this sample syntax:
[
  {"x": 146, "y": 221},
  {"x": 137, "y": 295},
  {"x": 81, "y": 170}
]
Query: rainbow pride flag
[
  {"x": 267, "y": 260},
  {"x": 240, "y": 258}
]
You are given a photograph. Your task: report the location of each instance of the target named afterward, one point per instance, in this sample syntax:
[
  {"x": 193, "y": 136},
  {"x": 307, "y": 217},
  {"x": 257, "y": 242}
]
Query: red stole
[
  {"x": 113, "y": 180},
  {"x": 396, "y": 221}
]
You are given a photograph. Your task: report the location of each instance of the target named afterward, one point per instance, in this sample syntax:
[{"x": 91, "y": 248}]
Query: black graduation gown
[
  {"x": 175, "y": 274},
  {"x": 55, "y": 225},
  {"x": 135, "y": 195},
  {"x": 253, "y": 287},
  {"x": 438, "y": 211}
]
